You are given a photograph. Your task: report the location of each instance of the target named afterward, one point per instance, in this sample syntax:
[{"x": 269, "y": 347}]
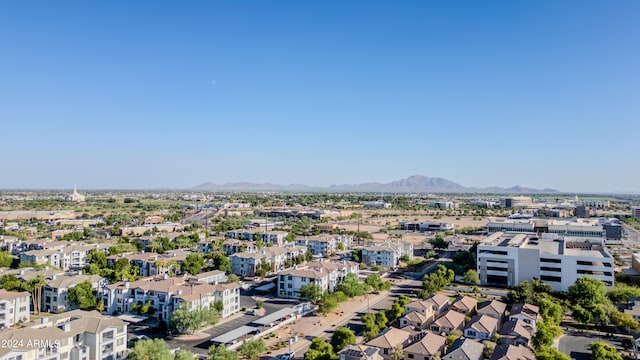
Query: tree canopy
[
  {"x": 193, "y": 264},
  {"x": 603, "y": 351},
  {"x": 155, "y": 349},
  {"x": 342, "y": 337},
  {"x": 83, "y": 295},
  {"x": 251, "y": 349}
]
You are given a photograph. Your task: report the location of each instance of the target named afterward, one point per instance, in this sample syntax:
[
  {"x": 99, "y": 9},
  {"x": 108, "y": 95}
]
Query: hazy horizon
[{"x": 150, "y": 95}]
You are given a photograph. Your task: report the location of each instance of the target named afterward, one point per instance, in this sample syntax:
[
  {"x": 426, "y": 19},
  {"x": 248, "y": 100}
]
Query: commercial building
[
  {"x": 520, "y": 202},
  {"x": 426, "y": 226},
  {"x": 73, "y": 335},
  {"x": 507, "y": 259},
  {"x": 564, "y": 227},
  {"x": 635, "y": 212}
]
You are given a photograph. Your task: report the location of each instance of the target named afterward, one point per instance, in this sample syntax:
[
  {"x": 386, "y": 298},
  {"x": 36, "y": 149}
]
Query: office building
[{"x": 507, "y": 259}]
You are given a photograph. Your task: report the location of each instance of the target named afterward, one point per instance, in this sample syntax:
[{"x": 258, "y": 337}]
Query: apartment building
[
  {"x": 507, "y": 259},
  {"x": 325, "y": 245},
  {"x": 152, "y": 264},
  {"x": 246, "y": 264},
  {"x": 14, "y": 307},
  {"x": 55, "y": 293},
  {"x": 386, "y": 254},
  {"x": 272, "y": 237},
  {"x": 167, "y": 294},
  {"x": 72, "y": 257},
  {"x": 74, "y": 335},
  {"x": 326, "y": 274},
  {"x": 232, "y": 246}
]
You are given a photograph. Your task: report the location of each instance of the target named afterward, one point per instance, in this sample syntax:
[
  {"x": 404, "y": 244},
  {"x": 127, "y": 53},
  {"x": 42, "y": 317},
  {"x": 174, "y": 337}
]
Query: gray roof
[
  {"x": 464, "y": 349},
  {"x": 282, "y": 313},
  {"x": 234, "y": 334}
]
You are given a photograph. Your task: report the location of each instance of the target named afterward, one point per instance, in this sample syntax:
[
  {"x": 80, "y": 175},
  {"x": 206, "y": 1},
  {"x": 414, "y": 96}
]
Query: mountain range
[{"x": 412, "y": 184}]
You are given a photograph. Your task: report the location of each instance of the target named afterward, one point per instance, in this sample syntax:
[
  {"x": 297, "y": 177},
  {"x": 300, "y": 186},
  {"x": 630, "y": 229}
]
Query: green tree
[
  {"x": 221, "y": 262},
  {"x": 155, "y": 349},
  {"x": 436, "y": 281},
  {"x": 5, "y": 259},
  {"x": 342, "y": 337},
  {"x": 193, "y": 264},
  {"x": 35, "y": 286},
  {"x": 185, "y": 319},
  {"x": 545, "y": 333},
  {"x": 549, "y": 353},
  {"x": 184, "y": 355},
  {"x": 328, "y": 303},
  {"x": 83, "y": 295},
  {"x": 624, "y": 320},
  {"x": 220, "y": 352},
  {"x": 438, "y": 242},
  {"x": 471, "y": 277},
  {"x": 375, "y": 281},
  {"x": 622, "y": 292},
  {"x": 603, "y": 351},
  {"x": 312, "y": 292},
  {"x": 589, "y": 298},
  {"x": 320, "y": 350},
  {"x": 232, "y": 278},
  {"x": 251, "y": 349},
  {"x": 351, "y": 286}
]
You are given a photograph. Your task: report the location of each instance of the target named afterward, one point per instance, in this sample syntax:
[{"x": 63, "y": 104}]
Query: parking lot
[
  {"x": 576, "y": 344},
  {"x": 201, "y": 346}
]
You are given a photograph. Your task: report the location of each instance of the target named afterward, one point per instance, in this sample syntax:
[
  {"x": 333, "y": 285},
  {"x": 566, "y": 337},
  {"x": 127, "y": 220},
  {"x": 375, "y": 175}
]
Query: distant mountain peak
[{"x": 411, "y": 184}]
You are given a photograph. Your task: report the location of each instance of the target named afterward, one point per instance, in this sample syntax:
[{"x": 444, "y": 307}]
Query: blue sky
[{"x": 172, "y": 94}]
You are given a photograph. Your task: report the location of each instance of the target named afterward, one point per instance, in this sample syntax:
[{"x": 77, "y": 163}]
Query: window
[
  {"x": 551, "y": 278},
  {"x": 410, "y": 356},
  {"x": 555, "y": 261}
]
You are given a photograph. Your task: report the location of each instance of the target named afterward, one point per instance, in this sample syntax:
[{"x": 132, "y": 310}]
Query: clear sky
[{"x": 150, "y": 94}]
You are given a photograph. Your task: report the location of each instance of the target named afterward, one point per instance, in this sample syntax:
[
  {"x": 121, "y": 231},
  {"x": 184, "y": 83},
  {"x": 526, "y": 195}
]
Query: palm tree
[{"x": 35, "y": 287}]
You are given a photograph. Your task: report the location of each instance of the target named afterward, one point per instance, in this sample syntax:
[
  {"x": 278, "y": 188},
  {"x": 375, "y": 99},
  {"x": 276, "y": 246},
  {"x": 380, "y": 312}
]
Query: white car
[{"x": 289, "y": 355}]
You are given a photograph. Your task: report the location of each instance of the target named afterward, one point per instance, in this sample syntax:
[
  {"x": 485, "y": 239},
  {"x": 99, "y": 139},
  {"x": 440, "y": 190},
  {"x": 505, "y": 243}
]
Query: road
[{"x": 351, "y": 319}]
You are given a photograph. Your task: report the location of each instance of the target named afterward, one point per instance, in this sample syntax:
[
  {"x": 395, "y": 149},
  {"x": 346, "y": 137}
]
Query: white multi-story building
[
  {"x": 55, "y": 293},
  {"x": 166, "y": 294},
  {"x": 271, "y": 237},
  {"x": 14, "y": 307},
  {"x": 72, "y": 257},
  {"x": 325, "y": 244},
  {"x": 509, "y": 258},
  {"x": 592, "y": 228},
  {"x": 73, "y": 335},
  {"x": 386, "y": 254},
  {"x": 246, "y": 264},
  {"x": 232, "y": 246},
  {"x": 151, "y": 264},
  {"x": 326, "y": 274}
]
